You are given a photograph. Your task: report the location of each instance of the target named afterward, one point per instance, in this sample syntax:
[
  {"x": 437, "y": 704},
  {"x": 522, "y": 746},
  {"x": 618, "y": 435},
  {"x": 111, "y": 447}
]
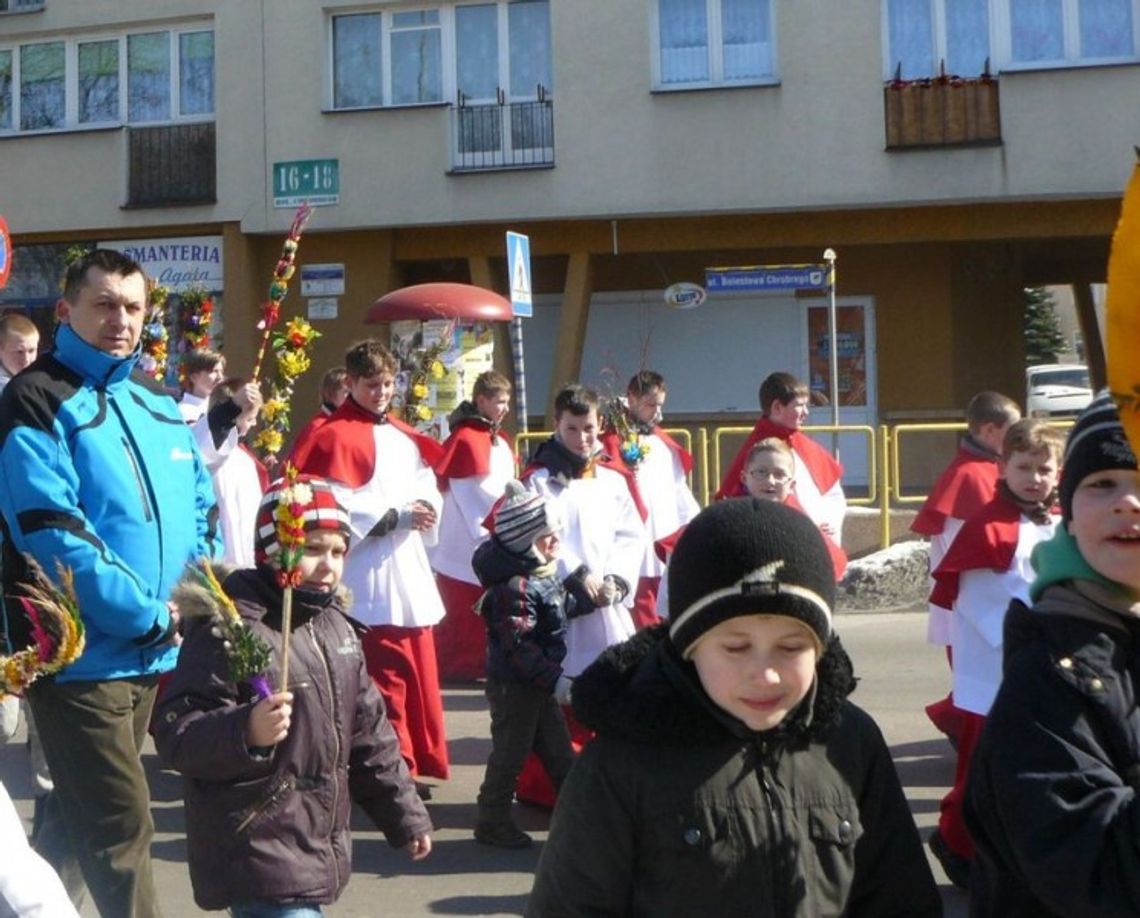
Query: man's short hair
[
  {"x": 645, "y": 381},
  {"x": 107, "y": 260},
  {"x": 200, "y": 360},
  {"x": 331, "y": 383},
  {"x": 369, "y": 358},
  {"x": 576, "y": 399},
  {"x": 1032, "y": 436},
  {"x": 490, "y": 383},
  {"x": 781, "y": 387},
  {"x": 991, "y": 407},
  {"x": 16, "y": 323}
]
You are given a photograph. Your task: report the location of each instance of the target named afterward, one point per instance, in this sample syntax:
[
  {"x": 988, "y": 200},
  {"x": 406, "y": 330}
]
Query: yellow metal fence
[{"x": 885, "y": 459}]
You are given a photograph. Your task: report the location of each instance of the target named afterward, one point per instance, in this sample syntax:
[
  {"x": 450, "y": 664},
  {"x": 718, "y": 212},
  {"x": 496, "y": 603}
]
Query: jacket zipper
[
  {"x": 336, "y": 744},
  {"x": 144, "y": 486},
  {"x": 138, "y": 480},
  {"x": 275, "y": 795},
  {"x": 773, "y": 824}
]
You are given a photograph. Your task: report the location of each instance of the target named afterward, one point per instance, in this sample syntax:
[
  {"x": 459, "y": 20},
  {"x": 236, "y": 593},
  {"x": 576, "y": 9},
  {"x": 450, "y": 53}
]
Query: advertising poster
[{"x": 852, "y": 354}]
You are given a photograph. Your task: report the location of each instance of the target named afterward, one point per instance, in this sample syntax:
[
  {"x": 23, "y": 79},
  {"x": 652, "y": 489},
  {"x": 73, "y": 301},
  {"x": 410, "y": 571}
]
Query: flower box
[{"x": 941, "y": 111}]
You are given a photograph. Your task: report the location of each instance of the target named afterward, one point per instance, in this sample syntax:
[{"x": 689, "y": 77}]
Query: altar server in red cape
[
  {"x": 603, "y": 543},
  {"x": 819, "y": 488},
  {"x": 659, "y": 465},
  {"x": 334, "y": 390},
  {"x": 987, "y": 567},
  {"x": 968, "y": 484},
  {"x": 382, "y": 470},
  {"x": 478, "y": 460}
]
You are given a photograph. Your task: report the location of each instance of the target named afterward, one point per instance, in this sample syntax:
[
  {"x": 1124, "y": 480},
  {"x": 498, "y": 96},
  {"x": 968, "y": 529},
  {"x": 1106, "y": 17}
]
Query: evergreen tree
[{"x": 1043, "y": 338}]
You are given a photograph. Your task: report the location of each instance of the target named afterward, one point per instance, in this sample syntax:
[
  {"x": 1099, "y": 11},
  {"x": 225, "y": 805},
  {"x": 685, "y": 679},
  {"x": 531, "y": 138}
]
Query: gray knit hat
[
  {"x": 523, "y": 516},
  {"x": 1096, "y": 443},
  {"x": 746, "y": 556}
]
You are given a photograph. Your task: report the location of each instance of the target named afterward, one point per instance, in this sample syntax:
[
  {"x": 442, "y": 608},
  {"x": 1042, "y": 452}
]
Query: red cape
[
  {"x": 664, "y": 546},
  {"x": 345, "y": 450},
  {"x": 968, "y": 484},
  {"x": 467, "y": 451},
  {"x": 611, "y": 449},
  {"x": 825, "y": 471},
  {"x": 986, "y": 541},
  {"x": 315, "y": 423}
]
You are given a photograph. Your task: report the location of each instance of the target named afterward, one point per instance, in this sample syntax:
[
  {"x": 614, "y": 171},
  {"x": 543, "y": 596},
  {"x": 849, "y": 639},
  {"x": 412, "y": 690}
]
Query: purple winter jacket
[{"x": 279, "y": 829}]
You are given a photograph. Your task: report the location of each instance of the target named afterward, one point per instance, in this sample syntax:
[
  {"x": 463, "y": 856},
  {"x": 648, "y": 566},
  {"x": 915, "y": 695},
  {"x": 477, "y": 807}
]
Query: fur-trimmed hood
[{"x": 643, "y": 691}]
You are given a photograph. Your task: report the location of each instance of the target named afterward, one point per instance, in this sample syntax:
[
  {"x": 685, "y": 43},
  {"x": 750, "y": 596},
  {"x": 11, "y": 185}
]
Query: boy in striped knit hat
[{"x": 525, "y": 607}]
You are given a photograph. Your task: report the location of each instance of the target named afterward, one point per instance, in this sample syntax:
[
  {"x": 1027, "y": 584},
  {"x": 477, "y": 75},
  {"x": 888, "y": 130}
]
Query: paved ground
[{"x": 899, "y": 672}]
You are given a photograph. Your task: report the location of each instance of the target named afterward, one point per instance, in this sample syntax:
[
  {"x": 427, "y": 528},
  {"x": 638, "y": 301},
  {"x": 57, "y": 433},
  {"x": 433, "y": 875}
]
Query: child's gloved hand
[
  {"x": 269, "y": 720},
  {"x": 562, "y": 689}
]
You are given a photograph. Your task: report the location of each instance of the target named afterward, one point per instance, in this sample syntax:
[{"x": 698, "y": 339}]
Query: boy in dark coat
[
  {"x": 730, "y": 775},
  {"x": 269, "y": 781},
  {"x": 525, "y": 610},
  {"x": 1051, "y": 797}
]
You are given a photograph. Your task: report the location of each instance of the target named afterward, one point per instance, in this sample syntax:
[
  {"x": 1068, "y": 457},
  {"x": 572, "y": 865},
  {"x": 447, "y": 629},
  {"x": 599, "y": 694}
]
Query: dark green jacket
[{"x": 678, "y": 809}]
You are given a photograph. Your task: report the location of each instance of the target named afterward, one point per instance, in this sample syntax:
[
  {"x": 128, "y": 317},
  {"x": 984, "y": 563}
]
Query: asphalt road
[{"x": 899, "y": 674}]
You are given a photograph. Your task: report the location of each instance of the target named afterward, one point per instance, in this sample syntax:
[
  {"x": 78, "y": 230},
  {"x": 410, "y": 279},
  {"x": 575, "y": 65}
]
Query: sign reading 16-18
[{"x": 316, "y": 181}]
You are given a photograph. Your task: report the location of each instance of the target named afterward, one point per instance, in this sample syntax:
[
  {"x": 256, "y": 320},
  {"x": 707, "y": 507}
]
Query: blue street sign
[
  {"x": 518, "y": 264},
  {"x": 766, "y": 277}
]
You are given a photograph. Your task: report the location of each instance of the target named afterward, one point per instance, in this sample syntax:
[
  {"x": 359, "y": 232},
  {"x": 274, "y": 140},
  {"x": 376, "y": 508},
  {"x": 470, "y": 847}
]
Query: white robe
[
  {"x": 466, "y": 504},
  {"x": 389, "y": 576},
  {"x": 665, "y": 492},
  {"x": 603, "y": 530},
  {"x": 979, "y": 614},
  {"x": 192, "y": 406},
  {"x": 938, "y": 622},
  {"x": 237, "y": 487}
]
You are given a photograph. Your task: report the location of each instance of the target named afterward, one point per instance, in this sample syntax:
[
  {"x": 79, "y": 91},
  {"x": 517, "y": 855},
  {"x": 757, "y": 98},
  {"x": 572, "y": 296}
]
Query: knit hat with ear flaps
[
  {"x": 524, "y": 516},
  {"x": 746, "y": 556},
  {"x": 320, "y": 510},
  {"x": 1097, "y": 443}
]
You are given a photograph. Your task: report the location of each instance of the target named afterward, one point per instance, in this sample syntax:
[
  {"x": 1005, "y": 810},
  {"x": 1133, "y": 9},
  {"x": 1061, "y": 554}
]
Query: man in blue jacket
[{"x": 99, "y": 474}]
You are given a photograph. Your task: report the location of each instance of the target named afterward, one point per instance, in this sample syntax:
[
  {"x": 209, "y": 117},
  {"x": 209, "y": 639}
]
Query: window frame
[
  {"x": 715, "y": 52},
  {"x": 1000, "y": 40},
  {"x": 71, "y": 122},
  {"x": 447, "y": 49}
]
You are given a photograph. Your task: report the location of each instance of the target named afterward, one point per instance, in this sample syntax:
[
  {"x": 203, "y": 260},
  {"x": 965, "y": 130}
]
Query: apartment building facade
[{"x": 949, "y": 153}]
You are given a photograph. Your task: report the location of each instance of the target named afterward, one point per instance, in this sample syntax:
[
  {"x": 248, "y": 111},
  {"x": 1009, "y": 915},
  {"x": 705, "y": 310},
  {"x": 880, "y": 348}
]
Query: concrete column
[{"x": 571, "y": 327}]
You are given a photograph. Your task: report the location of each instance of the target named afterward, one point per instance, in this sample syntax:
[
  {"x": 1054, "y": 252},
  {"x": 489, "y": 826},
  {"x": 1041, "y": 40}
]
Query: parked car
[{"x": 1057, "y": 390}]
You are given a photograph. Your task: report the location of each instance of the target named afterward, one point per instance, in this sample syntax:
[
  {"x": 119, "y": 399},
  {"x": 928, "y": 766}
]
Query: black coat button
[{"x": 692, "y": 837}]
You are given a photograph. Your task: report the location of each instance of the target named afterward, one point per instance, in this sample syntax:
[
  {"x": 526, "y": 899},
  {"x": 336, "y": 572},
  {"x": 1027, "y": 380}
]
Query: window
[
  {"x": 700, "y": 43},
  {"x": 925, "y": 34},
  {"x": 1043, "y": 32},
  {"x": 141, "y": 78},
  {"x": 922, "y": 36},
  {"x": 497, "y": 51}
]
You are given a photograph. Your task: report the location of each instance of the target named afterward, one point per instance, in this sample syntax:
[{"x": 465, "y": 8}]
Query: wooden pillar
[
  {"x": 479, "y": 267},
  {"x": 571, "y": 327},
  {"x": 1090, "y": 332}
]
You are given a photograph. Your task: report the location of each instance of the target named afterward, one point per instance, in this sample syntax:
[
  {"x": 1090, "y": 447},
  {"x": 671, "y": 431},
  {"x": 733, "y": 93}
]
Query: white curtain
[
  {"x": 910, "y": 29},
  {"x": 356, "y": 61},
  {"x": 1106, "y": 28},
  {"x": 967, "y": 36},
  {"x": 747, "y": 39},
  {"x": 684, "y": 40},
  {"x": 1036, "y": 30}
]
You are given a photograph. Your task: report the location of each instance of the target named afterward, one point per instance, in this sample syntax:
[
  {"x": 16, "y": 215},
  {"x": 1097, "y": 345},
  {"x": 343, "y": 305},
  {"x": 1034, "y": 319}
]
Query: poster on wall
[
  {"x": 439, "y": 361},
  {"x": 851, "y": 350}
]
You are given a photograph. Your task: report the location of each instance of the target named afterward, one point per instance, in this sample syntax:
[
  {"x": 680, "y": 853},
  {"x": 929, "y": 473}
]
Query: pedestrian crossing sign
[{"x": 518, "y": 266}]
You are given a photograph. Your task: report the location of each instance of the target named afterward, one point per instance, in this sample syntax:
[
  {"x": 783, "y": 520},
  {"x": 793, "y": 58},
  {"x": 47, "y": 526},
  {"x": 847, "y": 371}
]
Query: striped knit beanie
[
  {"x": 1096, "y": 443},
  {"x": 746, "y": 556},
  {"x": 319, "y": 509},
  {"x": 523, "y": 516}
]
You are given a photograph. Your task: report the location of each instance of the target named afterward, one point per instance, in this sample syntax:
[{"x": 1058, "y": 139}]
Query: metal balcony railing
[
  {"x": 503, "y": 135},
  {"x": 171, "y": 164}
]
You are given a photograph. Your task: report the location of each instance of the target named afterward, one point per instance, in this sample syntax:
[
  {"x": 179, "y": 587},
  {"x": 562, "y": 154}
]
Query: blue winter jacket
[{"x": 98, "y": 471}]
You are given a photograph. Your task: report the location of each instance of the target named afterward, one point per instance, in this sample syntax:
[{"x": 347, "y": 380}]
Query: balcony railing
[
  {"x": 942, "y": 111},
  {"x": 171, "y": 164},
  {"x": 503, "y": 135}
]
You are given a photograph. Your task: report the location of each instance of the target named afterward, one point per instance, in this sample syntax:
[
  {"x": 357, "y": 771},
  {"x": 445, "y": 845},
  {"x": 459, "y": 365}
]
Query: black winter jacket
[
  {"x": 278, "y": 829},
  {"x": 525, "y": 608},
  {"x": 676, "y": 808},
  {"x": 1051, "y": 800}
]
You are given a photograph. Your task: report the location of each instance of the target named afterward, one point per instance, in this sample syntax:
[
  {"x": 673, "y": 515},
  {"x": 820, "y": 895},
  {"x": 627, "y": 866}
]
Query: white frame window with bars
[
  {"x": 704, "y": 44},
  {"x": 922, "y": 36},
  {"x": 492, "y": 61},
  {"x": 146, "y": 76},
  {"x": 20, "y": 6}
]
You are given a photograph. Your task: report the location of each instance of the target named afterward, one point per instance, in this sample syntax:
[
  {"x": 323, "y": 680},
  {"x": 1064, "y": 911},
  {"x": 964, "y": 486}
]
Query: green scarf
[{"x": 1060, "y": 559}]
